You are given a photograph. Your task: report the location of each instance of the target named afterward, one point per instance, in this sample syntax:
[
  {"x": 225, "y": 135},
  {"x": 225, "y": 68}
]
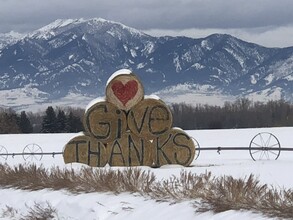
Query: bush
[{"x": 208, "y": 193}]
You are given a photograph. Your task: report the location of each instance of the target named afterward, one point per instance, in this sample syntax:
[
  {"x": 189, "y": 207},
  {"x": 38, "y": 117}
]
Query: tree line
[
  {"x": 242, "y": 113},
  {"x": 56, "y": 120}
]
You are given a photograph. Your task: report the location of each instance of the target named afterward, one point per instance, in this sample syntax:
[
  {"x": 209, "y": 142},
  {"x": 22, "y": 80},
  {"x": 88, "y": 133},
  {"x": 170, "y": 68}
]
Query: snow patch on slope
[
  {"x": 48, "y": 31},
  {"x": 289, "y": 77},
  {"x": 194, "y": 94},
  {"x": 205, "y": 44},
  {"x": 9, "y": 38},
  {"x": 198, "y": 66},
  {"x": 281, "y": 69},
  {"x": 236, "y": 56},
  {"x": 22, "y": 97},
  {"x": 274, "y": 93}
]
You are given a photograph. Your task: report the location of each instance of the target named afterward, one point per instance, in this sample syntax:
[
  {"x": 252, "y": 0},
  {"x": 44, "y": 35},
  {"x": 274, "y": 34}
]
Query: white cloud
[
  {"x": 196, "y": 18},
  {"x": 265, "y": 36}
]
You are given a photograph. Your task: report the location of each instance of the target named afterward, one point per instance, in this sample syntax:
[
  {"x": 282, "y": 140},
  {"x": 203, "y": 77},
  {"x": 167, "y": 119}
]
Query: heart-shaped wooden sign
[{"x": 124, "y": 91}]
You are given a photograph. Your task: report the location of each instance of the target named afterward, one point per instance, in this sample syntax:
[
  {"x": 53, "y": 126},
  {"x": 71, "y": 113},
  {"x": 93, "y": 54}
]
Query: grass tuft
[
  {"x": 40, "y": 212},
  {"x": 8, "y": 212},
  {"x": 217, "y": 194}
]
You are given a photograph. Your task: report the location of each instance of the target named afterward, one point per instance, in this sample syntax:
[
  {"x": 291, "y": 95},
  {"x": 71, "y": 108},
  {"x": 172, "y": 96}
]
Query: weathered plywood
[
  {"x": 150, "y": 118},
  {"x": 87, "y": 150},
  {"x": 124, "y": 91},
  {"x": 174, "y": 147},
  {"x": 105, "y": 122},
  {"x": 130, "y": 150}
]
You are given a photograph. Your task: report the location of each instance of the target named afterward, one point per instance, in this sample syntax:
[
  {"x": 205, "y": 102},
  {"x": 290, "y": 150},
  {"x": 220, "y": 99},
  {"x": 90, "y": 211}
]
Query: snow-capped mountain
[
  {"x": 9, "y": 38},
  {"x": 77, "y": 56}
]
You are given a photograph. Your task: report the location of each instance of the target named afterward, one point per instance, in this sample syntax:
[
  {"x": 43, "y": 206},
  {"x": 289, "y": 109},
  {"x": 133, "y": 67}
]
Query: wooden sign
[
  {"x": 149, "y": 119},
  {"x": 130, "y": 150},
  {"x": 87, "y": 150},
  {"x": 124, "y": 91},
  {"x": 174, "y": 147},
  {"x": 105, "y": 122}
]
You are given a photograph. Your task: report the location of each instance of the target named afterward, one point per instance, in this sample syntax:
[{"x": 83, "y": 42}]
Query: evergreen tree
[
  {"x": 61, "y": 122},
  {"x": 24, "y": 123},
  {"x": 49, "y": 121},
  {"x": 9, "y": 123},
  {"x": 74, "y": 123}
]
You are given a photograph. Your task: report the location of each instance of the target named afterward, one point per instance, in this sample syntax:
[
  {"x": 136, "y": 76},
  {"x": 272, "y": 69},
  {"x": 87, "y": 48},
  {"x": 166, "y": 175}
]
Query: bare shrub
[
  {"x": 40, "y": 212},
  {"x": 23, "y": 177},
  {"x": 187, "y": 186},
  {"x": 8, "y": 212},
  {"x": 228, "y": 193},
  {"x": 216, "y": 194}
]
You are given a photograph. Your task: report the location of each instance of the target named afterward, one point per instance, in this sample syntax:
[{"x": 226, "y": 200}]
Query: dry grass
[
  {"x": 208, "y": 193},
  {"x": 40, "y": 212},
  {"x": 8, "y": 212}
]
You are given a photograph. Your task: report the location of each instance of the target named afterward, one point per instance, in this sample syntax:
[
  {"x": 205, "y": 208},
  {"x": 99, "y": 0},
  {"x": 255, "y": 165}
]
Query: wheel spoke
[
  {"x": 267, "y": 155},
  {"x": 256, "y": 151},
  {"x": 261, "y": 140},
  {"x": 27, "y": 156},
  {"x": 274, "y": 145},
  {"x": 268, "y": 141},
  {"x": 4, "y": 152},
  {"x": 197, "y": 148},
  {"x": 273, "y": 153},
  {"x": 257, "y": 144},
  {"x": 261, "y": 155}
]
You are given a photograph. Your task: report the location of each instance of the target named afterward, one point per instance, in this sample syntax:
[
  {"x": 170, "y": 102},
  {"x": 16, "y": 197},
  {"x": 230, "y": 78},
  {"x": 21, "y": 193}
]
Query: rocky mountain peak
[{"x": 78, "y": 55}]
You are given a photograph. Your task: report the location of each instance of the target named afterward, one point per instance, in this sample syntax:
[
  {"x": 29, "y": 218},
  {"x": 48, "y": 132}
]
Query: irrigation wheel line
[
  {"x": 264, "y": 146},
  {"x": 3, "y": 152},
  {"x": 32, "y": 152}
]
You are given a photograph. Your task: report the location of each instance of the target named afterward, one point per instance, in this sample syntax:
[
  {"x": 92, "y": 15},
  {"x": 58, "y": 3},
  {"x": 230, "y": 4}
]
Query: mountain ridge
[{"x": 78, "y": 56}]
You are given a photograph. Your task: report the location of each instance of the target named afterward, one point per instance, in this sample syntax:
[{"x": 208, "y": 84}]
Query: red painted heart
[{"x": 124, "y": 92}]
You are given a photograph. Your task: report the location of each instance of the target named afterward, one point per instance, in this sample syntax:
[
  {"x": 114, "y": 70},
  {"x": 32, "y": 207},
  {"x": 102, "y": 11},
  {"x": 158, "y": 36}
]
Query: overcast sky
[{"x": 266, "y": 22}]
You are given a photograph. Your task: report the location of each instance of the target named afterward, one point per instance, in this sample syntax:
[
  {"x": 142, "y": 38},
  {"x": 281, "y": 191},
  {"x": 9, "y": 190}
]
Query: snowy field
[{"x": 130, "y": 206}]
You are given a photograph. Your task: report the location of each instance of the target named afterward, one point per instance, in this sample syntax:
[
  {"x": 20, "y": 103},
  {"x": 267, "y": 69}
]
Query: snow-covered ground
[{"x": 131, "y": 206}]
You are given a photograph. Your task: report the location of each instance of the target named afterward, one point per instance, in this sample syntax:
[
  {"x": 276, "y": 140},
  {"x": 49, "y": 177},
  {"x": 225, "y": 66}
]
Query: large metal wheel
[
  {"x": 32, "y": 152},
  {"x": 197, "y": 148},
  {"x": 264, "y": 146},
  {"x": 3, "y": 152}
]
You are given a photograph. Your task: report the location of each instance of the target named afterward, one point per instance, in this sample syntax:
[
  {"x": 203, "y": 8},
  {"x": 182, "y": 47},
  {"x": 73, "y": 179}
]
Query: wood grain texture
[
  {"x": 173, "y": 147},
  {"x": 130, "y": 150},
  {"x": 87, "y": 150},
  {"x": 124, "y": 91},
  {"x": 105, "y": 122},
  {"x": 150, "y": 118}
]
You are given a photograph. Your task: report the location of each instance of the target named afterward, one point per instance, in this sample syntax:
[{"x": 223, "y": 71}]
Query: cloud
[
  {"x": 268, "y": 36},
  {"x": 163, "y": 14},
  {"x": 180, "y": 15}
]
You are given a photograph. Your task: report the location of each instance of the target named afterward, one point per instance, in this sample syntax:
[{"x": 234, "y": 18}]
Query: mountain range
[{"x": 75, "y": 57}]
